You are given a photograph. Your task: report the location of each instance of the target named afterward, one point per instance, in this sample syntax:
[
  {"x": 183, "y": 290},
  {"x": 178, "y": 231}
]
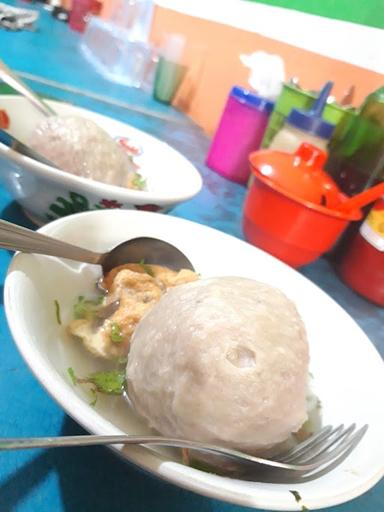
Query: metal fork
[{"x": 318, "y": 451}]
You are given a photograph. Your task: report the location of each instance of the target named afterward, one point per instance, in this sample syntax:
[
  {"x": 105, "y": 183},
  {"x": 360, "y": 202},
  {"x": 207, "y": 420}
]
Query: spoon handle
[
  {"x": 7, "y": 76},
  {"x": 17, "y": 238},
  {"x": 363, "y": 198}
]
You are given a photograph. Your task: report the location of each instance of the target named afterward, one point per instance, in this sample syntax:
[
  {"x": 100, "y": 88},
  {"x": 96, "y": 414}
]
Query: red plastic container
[
  {"x": 80, "y": 12},
  {"x": 290, "y": 209},
  {"x": 362, "y": 267}
]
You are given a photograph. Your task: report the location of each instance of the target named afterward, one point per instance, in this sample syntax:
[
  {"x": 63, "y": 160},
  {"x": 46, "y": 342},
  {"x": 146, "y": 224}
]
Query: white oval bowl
[
  {"x": 348, "y": 371},
  {"x": 46, "y": 193}
]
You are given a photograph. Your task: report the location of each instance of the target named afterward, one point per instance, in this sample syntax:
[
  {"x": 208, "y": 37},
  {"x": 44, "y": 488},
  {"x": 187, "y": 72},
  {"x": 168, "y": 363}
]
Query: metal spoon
[
  {"x": 7, "y": 76},
  {"x": 151, "y": 250}
]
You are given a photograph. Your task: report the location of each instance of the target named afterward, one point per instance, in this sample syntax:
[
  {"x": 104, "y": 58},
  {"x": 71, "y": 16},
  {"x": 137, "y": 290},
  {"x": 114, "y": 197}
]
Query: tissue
[{"x": 267, "y": 73}]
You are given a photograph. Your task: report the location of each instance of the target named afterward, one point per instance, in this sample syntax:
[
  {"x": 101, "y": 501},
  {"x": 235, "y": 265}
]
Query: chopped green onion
[
  {"x": 201, "y": 466},
  {"x": 298, "y": 499},
  {"x": 79, "y": 308},
  {"x": 116, "y": 334},
  {"x": 111, "y": 383},
  {"x": 146, "y": 268},
  {"x": 57, "y": 310},
  {"x": 94, "y": 395},
  {"x": 139, "y": 182},
  {"x": 296, "y": 496},
  {"x": 85, "y": 308},
  {"x": 72, "y": 376}
]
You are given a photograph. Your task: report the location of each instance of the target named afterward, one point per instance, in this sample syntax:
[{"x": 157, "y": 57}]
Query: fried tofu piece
[{"x": 134, "y": 289}]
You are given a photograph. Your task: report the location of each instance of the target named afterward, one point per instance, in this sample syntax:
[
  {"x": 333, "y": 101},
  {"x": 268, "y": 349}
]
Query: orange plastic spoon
[{"x": 362, "y": 199}]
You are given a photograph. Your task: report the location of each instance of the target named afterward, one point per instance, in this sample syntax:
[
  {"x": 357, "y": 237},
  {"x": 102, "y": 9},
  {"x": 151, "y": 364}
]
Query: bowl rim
[{"x": 97, "y": 187}]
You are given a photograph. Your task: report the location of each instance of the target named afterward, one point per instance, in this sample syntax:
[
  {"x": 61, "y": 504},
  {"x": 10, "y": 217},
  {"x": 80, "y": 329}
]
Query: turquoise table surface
[{"x": 94, "y": 479}]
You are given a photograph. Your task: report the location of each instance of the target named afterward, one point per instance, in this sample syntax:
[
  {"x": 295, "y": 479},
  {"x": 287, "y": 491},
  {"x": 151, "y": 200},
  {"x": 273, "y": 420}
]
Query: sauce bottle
[
  {"x": 356, "y": 162},
  {"x": 305, "y": 126},
  {"x": 362, "y": 266},
  {"x": 352, "y": 161}
]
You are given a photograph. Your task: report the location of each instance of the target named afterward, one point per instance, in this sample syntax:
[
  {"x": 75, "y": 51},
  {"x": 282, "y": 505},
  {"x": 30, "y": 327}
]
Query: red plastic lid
[{"x": 300, "y": 174}]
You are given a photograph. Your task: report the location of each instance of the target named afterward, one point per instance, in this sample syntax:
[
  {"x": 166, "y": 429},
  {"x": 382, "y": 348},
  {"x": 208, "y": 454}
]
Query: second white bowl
[{"x": 46, "y": 193}]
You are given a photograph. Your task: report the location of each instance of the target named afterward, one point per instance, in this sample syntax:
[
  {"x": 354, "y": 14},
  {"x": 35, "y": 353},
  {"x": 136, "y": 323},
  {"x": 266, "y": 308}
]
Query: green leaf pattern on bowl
[{"x": 76, "y": 203}]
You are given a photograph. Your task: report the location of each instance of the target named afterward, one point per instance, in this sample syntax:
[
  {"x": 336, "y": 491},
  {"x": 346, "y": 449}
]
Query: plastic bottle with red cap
[{"x": 362, "y": 267}]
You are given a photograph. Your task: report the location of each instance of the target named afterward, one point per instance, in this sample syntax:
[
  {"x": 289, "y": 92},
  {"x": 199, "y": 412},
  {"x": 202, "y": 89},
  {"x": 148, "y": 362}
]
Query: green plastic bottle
[{"x": 356, "y": 161}]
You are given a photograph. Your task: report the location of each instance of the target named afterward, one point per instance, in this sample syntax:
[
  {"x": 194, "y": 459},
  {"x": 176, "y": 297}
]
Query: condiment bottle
[
  {"x": 357, "y": 161},
  {"x": 305, "y": 126},
  {"x": 81, "y": 12},
  {"x": 239, "y": 132},
  {"x": 353, "y": 160},
  {"x": 362, "y": 267}
]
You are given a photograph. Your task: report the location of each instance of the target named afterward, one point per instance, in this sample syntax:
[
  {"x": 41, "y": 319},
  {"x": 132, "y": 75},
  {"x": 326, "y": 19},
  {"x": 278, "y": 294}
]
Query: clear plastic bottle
[
  {"x": 305, "y": 126},
  {"x": 289, "y": 138}
]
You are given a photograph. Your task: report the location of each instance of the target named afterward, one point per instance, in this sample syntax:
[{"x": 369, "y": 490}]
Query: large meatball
[
  {"x": 221, "y": 360},
  {"x": 81, "y": 147}
]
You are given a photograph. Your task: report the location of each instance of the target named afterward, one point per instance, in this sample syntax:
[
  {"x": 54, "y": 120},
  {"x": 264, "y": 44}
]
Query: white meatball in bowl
[
  {"x": 224, "y": 361},
  {"x": 81, "y": 147}
]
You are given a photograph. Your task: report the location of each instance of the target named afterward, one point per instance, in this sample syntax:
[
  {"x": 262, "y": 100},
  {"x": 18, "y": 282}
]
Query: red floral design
[
  {"x": 110, "y": 203},
  {"x": 148, "y": 207},
  {"x": 131, "y": 147},
  {"x": 4, "y": 120}
]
